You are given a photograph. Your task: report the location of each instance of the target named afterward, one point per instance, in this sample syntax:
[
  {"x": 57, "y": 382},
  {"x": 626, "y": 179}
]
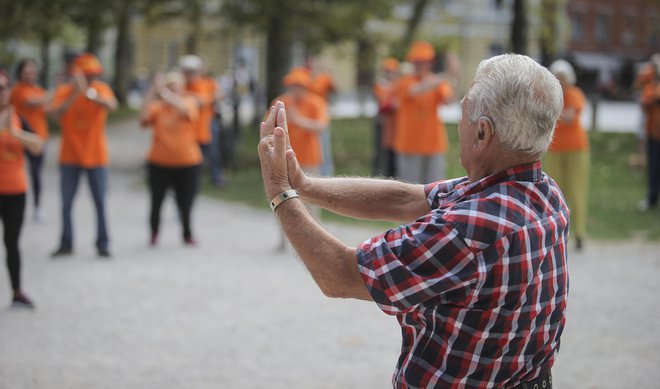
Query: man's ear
[{"x": 485, "y": 131}]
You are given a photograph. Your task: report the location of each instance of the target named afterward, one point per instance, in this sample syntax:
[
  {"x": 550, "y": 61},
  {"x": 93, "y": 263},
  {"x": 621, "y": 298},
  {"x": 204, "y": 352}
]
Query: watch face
[{"x": 91, "y": 93}]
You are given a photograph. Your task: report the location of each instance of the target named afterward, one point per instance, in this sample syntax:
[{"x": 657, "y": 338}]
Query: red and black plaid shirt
[{"x": 478, "y": 284}]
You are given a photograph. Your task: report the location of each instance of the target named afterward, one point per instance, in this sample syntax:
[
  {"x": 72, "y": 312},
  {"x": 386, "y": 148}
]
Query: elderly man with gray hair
[{"x": 476, "y": 276}]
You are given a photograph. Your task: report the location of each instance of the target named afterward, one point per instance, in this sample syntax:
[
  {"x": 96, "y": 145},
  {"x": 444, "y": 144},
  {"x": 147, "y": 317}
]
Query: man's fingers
[
  {"x": 270, "y": 122},
  {"x": 281, "y": 122},
  {"x": 280, "y": 145}
]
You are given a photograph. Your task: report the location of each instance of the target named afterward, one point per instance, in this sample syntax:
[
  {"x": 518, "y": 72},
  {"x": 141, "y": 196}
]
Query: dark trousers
[
  {"x": 35, "y": 164},
  {"x": 12, "y": 208},
  {"x": 653, "y": 153},
  {"x": 97, "y": 177},
  {"x": 184, "y": 181}
]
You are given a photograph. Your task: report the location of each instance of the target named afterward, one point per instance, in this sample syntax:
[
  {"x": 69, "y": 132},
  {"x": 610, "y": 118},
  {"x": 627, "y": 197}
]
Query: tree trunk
[
  {"x": 196, "y": 18},
  {"x": 549, "y": 31},
  {"x": 519, "y": 27},
  {"x": 413, "y": 24},
  {"x": 277, "y": 57},
  {"x": 122, "y": 48},
  {"x": 94, "y": 31},
  {"x": 44, "y": 50},
  {"x": 365, "y": 66}
]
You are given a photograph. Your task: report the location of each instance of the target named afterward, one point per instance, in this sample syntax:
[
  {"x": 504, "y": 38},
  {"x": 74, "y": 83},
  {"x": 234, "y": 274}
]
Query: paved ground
[{"x": 232, "y": 313}]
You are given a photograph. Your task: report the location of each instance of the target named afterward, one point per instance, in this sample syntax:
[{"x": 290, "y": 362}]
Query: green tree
[{"x": 313, "y": 23}]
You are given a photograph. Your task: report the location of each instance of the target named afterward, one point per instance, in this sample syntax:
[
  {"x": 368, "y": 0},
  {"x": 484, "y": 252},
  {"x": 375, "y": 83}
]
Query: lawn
[{"x": 615, "y": 191}]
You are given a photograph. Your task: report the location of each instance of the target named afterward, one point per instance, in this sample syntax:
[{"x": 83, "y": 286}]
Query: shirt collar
[{"x": 529, "y": 172}]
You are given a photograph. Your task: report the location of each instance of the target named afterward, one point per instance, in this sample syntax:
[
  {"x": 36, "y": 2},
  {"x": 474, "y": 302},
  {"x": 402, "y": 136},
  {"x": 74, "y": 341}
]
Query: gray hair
[
  {"x": 522, "y": 99},
  {"x": 561, "y": 66}
]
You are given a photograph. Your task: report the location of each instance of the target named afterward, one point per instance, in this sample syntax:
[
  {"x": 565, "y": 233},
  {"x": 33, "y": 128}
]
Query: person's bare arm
[
  {"x": 364, "y": 198},
  {"x": 31, "y": 142},
  {"x": 306, "y": 123},
  {"x": 332, "y": 264},
  {"x": 176, "y": 101}
]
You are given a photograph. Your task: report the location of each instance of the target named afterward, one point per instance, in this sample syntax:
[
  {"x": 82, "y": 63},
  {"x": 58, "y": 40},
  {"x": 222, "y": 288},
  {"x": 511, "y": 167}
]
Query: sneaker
[
  {"x": 61, "y": 252},
  {"x": 104, "y": 253},
  {"x": 39, "y": 216},
  {"x": 645, "y": 206},
  {"x": 579, "y": 244},
  {"x": 22, "y": 301},
  {"x": 190, "y": 241}
]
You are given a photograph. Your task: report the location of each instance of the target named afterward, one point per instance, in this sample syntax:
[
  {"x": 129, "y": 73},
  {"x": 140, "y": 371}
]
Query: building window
[
  {"x": 172, "y": 54},
  {"x": 654, "y": 32},
  {"x": 602, "y": 28},
  {"x": 629, "y": 37},
  {"x": 577, "y": 27},
  {"x": 155, "y": 55}
]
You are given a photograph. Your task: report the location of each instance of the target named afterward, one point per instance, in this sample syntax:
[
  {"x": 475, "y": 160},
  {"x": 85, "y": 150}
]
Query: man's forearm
[
  {"x": 364, "y": 198},
  {"x": 332, "y": 264}
]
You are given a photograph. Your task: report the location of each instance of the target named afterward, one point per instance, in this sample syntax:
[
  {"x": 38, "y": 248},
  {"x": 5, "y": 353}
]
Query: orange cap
[
  {"x": 391, "y": 64},
  {"x": 297, "y": 76},
  {"x": 88, "y": 64},
  {"x": 420, "y": 51}
]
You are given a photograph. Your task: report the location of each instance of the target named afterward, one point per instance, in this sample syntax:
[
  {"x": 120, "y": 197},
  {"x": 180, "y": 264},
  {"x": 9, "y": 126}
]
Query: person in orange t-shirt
[
  {"x": 13, "y": 185},
  {"x": 82, "y": 106},
  {"x": 30, "y": 100},
  {"x": 307, "y": 118},
  {"x": 650, "y": 101},
  {"x": 567, "y": 160},
  {"x": 421, "y": 139},
  {"x": 322, "y": 85},
  {"x": 175, "y": 157},
  {"x": 385, "y": 125}
]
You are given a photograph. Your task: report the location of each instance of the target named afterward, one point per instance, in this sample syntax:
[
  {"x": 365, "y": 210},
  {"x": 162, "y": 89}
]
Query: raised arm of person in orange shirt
[
  {"x": 31, "y": 142},
  {"x": 308, "y": 124},
  {"x": 78, "y": 86}
]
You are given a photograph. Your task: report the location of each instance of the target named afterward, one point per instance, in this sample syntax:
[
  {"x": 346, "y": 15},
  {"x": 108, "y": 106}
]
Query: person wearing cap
[
  {"x": 476, "y": 273},
  {"x": 175, "y": 158},
  {"x": 385, "y": 125},
  {"x": 567, "y": 160},
  {"x": 30, "y": 101},
  {"x": 82, "y": 106},
  {"x": 421, "y": 139},
  {"x": 14, "y": 142},
  {"x": 308, "y": 119},
  {"x": 322, "y": 85},
  {"x": 205, "y": 90}
]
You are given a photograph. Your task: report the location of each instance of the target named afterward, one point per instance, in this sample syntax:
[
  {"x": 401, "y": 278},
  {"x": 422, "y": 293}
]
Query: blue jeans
[
  {"x": 214, "y": 153},
  {"x": 328, "y": 167},
  {"x": 69, "y": 177}
]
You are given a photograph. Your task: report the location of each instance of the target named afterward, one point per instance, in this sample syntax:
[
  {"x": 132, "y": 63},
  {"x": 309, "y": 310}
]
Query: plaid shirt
[{"x": 478, "y": 284}]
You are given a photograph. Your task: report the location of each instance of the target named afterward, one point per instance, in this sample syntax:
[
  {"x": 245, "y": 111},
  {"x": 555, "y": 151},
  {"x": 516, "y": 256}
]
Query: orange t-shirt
[
  {"x": 83, "y": 127},
  {"x": 385, "y": 95},
  {"x": 322, "y": 85},
  {"x": 174, "y": 142},
  {"x": 204, "y": 90},
  {"x": 569, "y": 135},
  {"x": 419, "y": 128},
  {"x": 651, "y": 105},
  {"x": 306, "y": 144},
  {"x": 34, "y": 116},
  {"x": 13, "y": 180}
]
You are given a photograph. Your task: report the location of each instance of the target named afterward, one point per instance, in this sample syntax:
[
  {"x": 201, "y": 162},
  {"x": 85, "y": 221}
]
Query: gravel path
[{"x": 233, "y": 313}]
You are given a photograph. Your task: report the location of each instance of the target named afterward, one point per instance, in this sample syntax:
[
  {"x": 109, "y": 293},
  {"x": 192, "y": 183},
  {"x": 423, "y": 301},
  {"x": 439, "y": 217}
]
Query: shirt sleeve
[
  {"x": 61, "y": 94},
  {"x": 444, "y": 92},
  {"x": 426, "y": 261}
]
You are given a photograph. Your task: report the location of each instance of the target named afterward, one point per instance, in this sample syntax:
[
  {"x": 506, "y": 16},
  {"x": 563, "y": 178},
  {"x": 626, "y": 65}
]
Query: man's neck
[{"x": 501, "y": 163}]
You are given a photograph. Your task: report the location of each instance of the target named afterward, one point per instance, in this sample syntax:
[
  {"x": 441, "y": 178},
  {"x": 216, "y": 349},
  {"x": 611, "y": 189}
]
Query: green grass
[{"x": 615, "y": 189}]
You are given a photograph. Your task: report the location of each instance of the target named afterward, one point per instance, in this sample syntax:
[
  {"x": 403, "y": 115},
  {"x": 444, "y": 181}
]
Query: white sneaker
[
  {"x": 39, "y": 216},
  {"x": 643, "y": 206}
]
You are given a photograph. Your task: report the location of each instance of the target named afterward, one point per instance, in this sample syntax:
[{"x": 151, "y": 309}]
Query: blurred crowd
[{"x": 183, "y": 109}]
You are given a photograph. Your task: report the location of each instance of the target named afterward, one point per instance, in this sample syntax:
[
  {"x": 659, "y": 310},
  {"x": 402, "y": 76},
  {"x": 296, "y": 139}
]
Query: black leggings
[
  {"x": 185, "y": 182},
  {"x": 36, "y": 163},
  {"x": 12, "y": 208}
]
